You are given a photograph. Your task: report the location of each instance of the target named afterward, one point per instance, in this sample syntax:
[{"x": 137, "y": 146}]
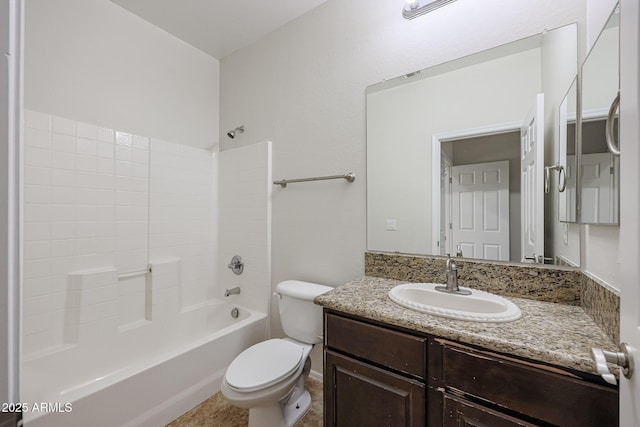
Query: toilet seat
[{"x": 264, "y": 364}]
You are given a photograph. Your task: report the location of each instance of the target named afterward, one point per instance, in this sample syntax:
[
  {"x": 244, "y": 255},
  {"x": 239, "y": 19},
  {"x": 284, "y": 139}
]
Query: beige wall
[
  {"x": 91, "y": 60},
  {"x": 303, "y": 87},
  {"x": 401, "y": 122}
]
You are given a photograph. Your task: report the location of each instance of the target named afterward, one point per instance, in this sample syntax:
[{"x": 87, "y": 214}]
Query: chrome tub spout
[{"x": 233, "y": 291}]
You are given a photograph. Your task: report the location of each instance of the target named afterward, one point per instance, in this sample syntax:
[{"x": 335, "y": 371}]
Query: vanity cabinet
[
  {"x": 374, "y": 376},
  {"x": 378, "y": 375}
]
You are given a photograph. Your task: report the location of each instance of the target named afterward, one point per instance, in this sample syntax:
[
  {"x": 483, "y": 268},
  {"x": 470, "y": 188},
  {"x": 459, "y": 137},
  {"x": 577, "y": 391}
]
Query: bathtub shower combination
[
  {"x": 146, "y": 374},
  {"x": 125, "y": 321}
]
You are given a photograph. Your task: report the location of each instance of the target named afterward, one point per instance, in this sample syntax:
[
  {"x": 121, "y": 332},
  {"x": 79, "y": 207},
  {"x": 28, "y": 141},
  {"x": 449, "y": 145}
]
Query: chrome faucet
[
  {"x": 451, "y": 271},
  {"x": 233, "y": 291}
]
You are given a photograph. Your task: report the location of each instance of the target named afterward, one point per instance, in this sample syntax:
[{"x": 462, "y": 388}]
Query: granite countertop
[{"x": 556, "y": 334}]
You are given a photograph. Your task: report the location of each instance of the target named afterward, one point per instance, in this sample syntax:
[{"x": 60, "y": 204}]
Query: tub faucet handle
[{"x": 236, "y": 265}]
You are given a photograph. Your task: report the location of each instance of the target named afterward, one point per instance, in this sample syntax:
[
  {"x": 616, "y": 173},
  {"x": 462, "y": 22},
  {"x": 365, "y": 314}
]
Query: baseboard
[{"x": 315, "y": 375}]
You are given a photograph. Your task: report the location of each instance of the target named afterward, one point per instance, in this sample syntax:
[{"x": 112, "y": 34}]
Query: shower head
[{"x": 232, "y": 133}]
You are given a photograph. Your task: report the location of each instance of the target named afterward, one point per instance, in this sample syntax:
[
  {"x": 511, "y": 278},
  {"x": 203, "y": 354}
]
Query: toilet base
[
  {"x": 297, "y": 409},
  {"x": 282, "y": 414}
]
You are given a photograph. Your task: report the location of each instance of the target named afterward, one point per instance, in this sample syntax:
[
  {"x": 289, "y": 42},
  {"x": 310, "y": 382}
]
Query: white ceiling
[{"x": 219, "y": 27}]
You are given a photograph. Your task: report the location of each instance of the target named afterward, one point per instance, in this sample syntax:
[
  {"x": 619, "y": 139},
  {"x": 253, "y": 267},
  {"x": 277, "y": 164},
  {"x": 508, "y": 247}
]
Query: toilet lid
[{"x": 264, "y": 364}]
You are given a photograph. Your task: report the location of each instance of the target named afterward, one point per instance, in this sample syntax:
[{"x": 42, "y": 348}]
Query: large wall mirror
[
  {"x": 456, "y": 154},
  {"x": 600, "y": 171}
]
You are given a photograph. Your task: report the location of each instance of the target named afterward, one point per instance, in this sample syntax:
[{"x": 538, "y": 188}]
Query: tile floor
[{"x": 217, "y": 412}]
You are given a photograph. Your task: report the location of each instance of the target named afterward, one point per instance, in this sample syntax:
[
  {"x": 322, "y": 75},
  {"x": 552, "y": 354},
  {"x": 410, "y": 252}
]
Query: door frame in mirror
[
  {"x": 436, "y": 141},
  {"x": 566, "y": 118}
]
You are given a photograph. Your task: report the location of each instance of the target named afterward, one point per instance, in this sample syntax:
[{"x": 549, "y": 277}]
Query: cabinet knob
[{"x": 622, "y": 358}]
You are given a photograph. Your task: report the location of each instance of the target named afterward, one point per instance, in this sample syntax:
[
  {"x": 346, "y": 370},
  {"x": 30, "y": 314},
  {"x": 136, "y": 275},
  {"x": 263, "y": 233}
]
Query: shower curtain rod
[{"x": 348, "y": 176}]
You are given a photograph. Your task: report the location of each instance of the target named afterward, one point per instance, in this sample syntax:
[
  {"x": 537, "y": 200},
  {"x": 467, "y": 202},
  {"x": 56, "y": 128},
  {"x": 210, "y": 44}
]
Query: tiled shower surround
[{"x": 101, "y": 203}]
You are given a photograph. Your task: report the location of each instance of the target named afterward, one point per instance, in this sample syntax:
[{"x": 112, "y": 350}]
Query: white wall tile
[
  {"x": 36, "y": 120},
  {"x": 124, "y": 139},
  {"x": 37, "y": 268},
  {"x": 37, "y": 249},
  {"x": 37, "y": 138},
  {"x": 124, "y": 152},
  {"x": 61, "y": 213},
  {"x": 88, "y": 206},
  {"x": 37, "y": 231},
  {"x": 63, "y": 195},
  {"x": 141, "y": 142},
  {"x": 36, "y": 212},
  {"x": 140, "y": 156},
  {"x": 63, "y": 160},
  {"x": 37, "y": 175},
  {"x": 36, "y": 324},
  {"x": 36, "y": 156},
  {"x": 94, "y": 180},
  {"x": 62, "y": 230},
  {"x": 106, "y": 134},
  {"x": 132, "y": 213},
  {"x": 62, "y": 142},
  {"x": 37, "y": 193},
  {"x": 64, "y": 126},
  {"x": 62, "y": 247},
  {"x": 37, "y": 286},
  {"x": 86, "y": 163},
  {"x": 88, "y": 131},
  {"x": 123, "y": 168},
  {"x": 59, "y": 283},
  {"x": 63, "y": 178},
  {"x": 92, "y": 196},
  {"x": 88, "y": 147},
  {"x": 139, "y": 170},
  {"x": 128, "y": 183},
  {"x": 106, "y": 165},
  {"x": 105, "y": 149}
]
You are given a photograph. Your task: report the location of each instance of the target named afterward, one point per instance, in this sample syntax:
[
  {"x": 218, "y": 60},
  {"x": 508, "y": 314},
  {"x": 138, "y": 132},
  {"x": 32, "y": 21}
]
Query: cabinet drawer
[
  {"x": 550, "y": 397},
  {"x": 462, "y": 413},
  {"x": 396, "y": 350}
]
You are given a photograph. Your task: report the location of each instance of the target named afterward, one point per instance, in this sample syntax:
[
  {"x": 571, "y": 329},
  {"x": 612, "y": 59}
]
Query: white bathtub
[{"x": 144, "y": 376}]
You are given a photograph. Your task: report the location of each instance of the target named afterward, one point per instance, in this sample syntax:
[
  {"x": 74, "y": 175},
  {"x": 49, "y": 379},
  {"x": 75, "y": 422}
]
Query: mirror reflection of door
[
  {"x": 532, "y": 139},
  {"x": 567, "y": 199},
  {"x": 600, "y": 175},
  {"x": 480, "y": 204},
  {"x": 445, "y": 204},
  {"x": 480, "y": 200}
]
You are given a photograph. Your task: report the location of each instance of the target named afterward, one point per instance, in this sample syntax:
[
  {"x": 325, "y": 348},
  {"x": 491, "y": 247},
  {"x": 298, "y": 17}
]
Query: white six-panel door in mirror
[
  {"x": 532, "y": 137},
  {"x": 480, "y": 195}
]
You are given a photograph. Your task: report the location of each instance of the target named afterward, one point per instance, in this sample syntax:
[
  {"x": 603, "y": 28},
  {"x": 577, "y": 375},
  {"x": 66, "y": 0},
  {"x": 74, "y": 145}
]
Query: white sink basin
[{"x": 480, "y": 306}]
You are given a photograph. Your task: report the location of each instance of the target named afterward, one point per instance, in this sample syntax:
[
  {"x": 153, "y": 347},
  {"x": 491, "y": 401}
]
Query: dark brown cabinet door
[
  {"x": 462, "y": 413},
  {"x": 357, "y": 394}
]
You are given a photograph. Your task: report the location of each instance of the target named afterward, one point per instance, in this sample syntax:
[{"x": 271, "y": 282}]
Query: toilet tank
[{"x": 300, "y": 318}]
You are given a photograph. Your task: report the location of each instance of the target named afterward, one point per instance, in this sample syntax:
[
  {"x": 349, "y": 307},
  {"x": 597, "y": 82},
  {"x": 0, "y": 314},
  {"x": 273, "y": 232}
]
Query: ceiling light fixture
[{"x": 414, "y": 8}]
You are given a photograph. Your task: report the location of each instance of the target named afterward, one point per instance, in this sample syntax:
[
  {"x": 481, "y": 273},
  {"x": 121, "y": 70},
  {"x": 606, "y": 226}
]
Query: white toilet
[{"x": 268, "y": 377}]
